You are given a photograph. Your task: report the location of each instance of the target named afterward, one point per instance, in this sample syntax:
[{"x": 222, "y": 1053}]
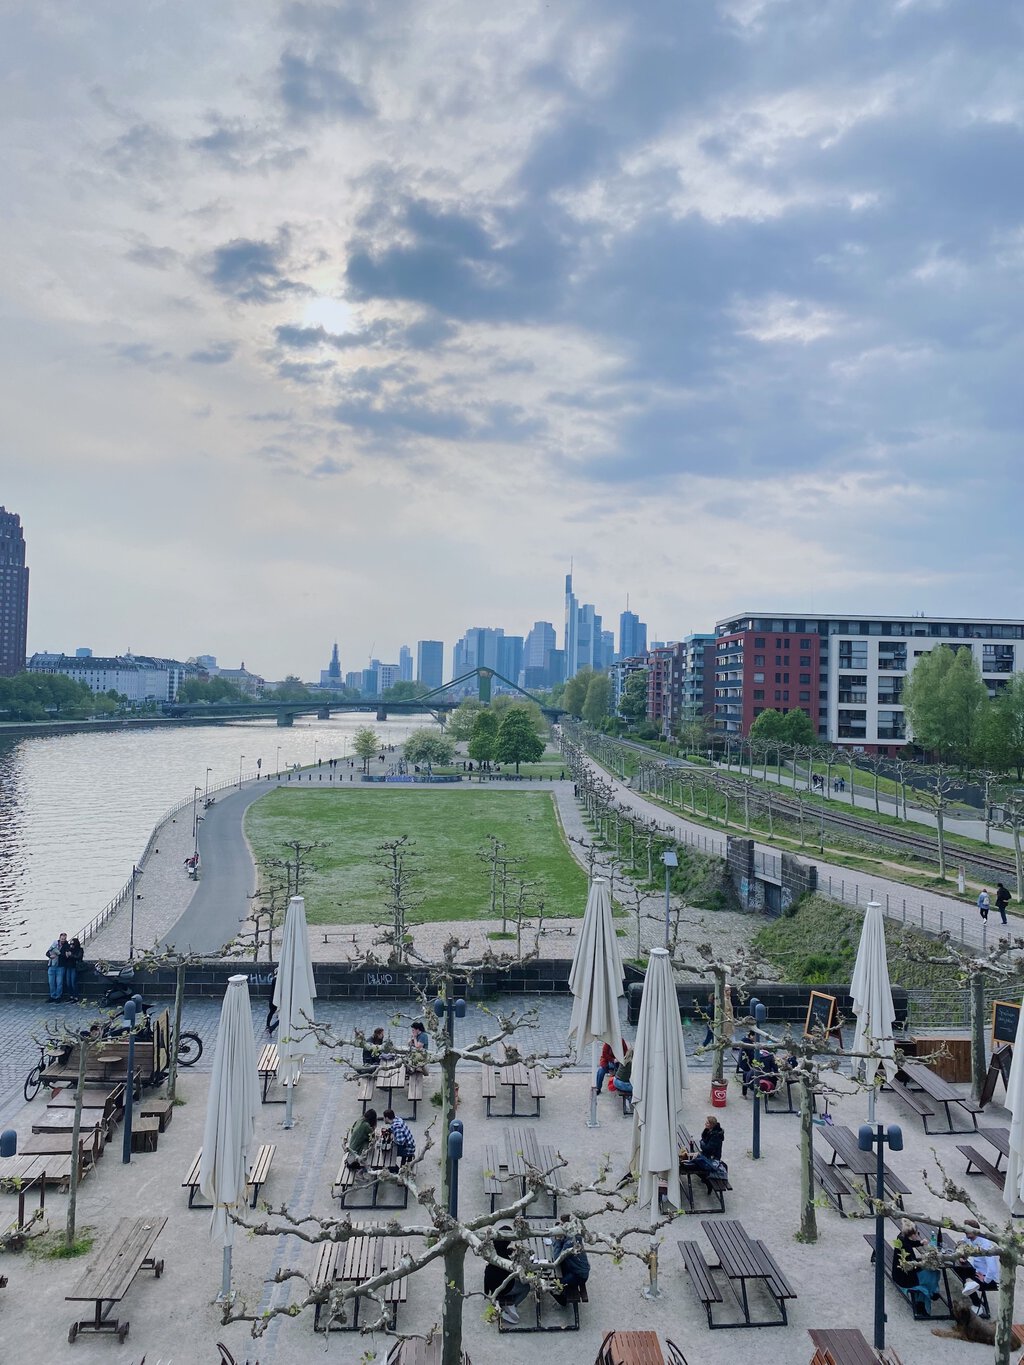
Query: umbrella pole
[
  {"x": 652, "y": 1291},
  {"x": 871, "y": 1104},
  {"x": 592, "y": 1121},
  {"x": 225, "y": 1283},
  {"x": 288, "y": 1120}
]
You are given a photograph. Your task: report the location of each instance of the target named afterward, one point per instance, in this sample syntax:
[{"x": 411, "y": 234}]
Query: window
[
  {"x": 758, "y": 660},
  {"x": 785, "y": 677},
  {"x": 778, "y": 695},
  {"x": 759, "y": 694},
  {"x": 778, "y": 658},
  {"x": 805, "y": 644},
  {"x": 759, "y": 677},
  {"x": 785, "y": 695},
  {"x": 805, "y": 696},
  {"x": 778, "y": 677},
  {"x": 778, "y": 644},
  {"x": 805, "y": 679},
  {"x": 805, "y": 661},
  {"x": 759, "y": 642},
  {"x": 853, "y": 654}
]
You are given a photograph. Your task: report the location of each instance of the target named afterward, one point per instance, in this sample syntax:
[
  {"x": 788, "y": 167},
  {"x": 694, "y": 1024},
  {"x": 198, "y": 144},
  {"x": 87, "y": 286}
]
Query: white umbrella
[
  {"x": 231, "y": 1109},
  {"x": 872, "y": 1002},
  {"x": 1013, "y": 1190},
  {"x": 294, "y": 991},
  {"x": 595, "y": 980},
  {"x": 659, "y": 1079}
]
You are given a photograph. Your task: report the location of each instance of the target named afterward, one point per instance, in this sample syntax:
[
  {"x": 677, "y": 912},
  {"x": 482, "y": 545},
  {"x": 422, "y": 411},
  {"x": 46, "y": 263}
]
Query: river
[{"x": 77, "y": 810}]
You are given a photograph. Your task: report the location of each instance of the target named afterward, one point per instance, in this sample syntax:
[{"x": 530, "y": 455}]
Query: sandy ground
[{"x": 173, "y": 1319}]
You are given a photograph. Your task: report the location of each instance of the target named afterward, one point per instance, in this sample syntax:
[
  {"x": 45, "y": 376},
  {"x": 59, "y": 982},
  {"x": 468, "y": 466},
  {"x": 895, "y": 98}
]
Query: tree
[
  {"x": 518, "y": 741},
  {"x": 484, "y": 737},
  {"x": 797, "y": 727},
  {"x": 598, "y": 703},
  {"x": 1002, "y": 729},
  {"x": 944, "y": 699},
  {"x": 770, "y": 727},
  {"x": 212, "y": 690},
  {"x": 575, "y": 693},
  {"x": 365, "y": 743},
  {"x": 633, "y": 702},
  {"x": 399, "y": 880},
  {"x": 405, "y": 691},
  {"x": 463, "y": 718},
  {"x": 429, "y": 746},
  {"x": 292, "y": 689}
]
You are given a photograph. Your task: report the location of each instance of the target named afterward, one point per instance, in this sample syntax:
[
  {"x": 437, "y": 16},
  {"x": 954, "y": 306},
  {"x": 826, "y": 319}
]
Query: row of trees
[
  {"x": 49, "y": 696},
  {"x": 950, "y": 714}
]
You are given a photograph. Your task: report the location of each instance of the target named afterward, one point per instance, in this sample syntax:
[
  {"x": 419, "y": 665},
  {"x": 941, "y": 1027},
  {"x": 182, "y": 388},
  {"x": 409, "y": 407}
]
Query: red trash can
[{"x": 718, "y": 1095}]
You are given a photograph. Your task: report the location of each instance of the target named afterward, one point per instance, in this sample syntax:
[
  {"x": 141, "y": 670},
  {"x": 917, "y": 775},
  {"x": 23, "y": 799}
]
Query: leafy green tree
[
  {"x": 366, "y": 743},
  {"x": 212, "y": 689},
  {"x": 406, "y": 691},
  {"x": 504, "y": 700},
  {"x": 292, "y": 689},
  {"x": 944, "y": 699},
  {"x": 770, "y": 727},
  {"x": 462, "y": 719},
  {"x": 1001, "y": 729},
  {"x": 484, "y": 737},
  {"x": 797, "y": 727},
  {"x": 575, "y": 693},
  {"x": 518, "y": 741},
  {"x": 598, "y": 701},
  {"x": 429, "y": 746},
  {"x": 633, "y": 702}
]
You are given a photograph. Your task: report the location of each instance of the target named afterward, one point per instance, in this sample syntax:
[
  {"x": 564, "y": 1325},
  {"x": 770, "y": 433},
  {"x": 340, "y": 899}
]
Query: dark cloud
[
  {"x": 307, "y": 338},
  {"x": 284, "y": 415},
  {"x": 399, "y": 418},
  {"x": 313, "y": 88},
  {"x": 154, "y": 257},
  {"x": 304, "y": 372},
  {"x": 143, "y": 354},
  {"x": 238, "y": 146},
  {"x": 219, "y": 353},
  {"x": 145, "y": 150},
  {"x": 252, "y": 271}
]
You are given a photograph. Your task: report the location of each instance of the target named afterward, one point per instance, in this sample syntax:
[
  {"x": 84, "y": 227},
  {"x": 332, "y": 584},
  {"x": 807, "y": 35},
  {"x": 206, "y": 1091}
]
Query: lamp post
[
  {"x": 206, "y": 793},
  {"x": 879, "y": 1137},
  {"x": 454, "y": 1157},
  {"x": 278, "y": 761},
  {"x": 670, "y": 860},
  {"x": 316, "y": 745},
  {"x": 195, "y": 821},
  {"x": 129, "y": 1010},
  {"x": 759, "y": 1014},
  {"x": 241, "y": 760},
  {"x": 131, "y": 918}
]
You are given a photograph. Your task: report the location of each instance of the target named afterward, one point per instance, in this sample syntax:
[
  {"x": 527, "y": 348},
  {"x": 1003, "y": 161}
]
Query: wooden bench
[
  {"x": 371, "y": 1178},
  {"x": 536, "y": 1085},
  {"x": 161, "y": 1110},
  {"x": 630, "y": 1348},
  {"x": 778, "y": 1286},
  {"x": 494, "y": 1184},
  {"x": 266, "y": 1067},
  {"x": 366, "y": 1257},
  {"x": 259, "y": 1170},
  {"x": 700, "y": 1276},
  {"x": 983, "y": 1166},
  {"x": 488, "y": 1086},
  {"x": 833, "y": 1181},
  {"x": 845, "y": 1346},
  {"x": 419, "y": 1351},
  {"x": 114, "y": 1266},
  {"x": 53, "y": 1170},
  {"x": 325, "y": 1272},
  {"x": 364, "y": 1090},
  {"x": 90, "y": 1144},
  {"x": 145, "y": 1135},
  {"x": 414, "y": 1091},
  {"x": 915, "y": 1099}
]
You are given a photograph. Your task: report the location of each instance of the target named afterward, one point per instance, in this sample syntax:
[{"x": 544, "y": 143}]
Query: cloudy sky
[{"x": 356, "y": 320}]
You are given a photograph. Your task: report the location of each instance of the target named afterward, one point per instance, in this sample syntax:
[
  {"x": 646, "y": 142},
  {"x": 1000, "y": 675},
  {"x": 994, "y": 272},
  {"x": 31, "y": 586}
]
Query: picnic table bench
[
  {"x": 832, "y": 1180},
  {"x": 742, "y": 1258},
  {"x": 915, "y": 1080},
  {"x": 259, "y": 1170},
  {"x": 53, "y": 1170},
  {"x": 907, "y": 1293},
  {"x": 516, "y": 1076},
  {"x": 354, "y": 1262},
  {"x": 843, "y": 1142},
  {"x": 266, "y": 1068},
  {"x": 126, "y": 1251},
  {"x": 419, "y": 1351},
  {"x": 636, "y": 1348},
  {"x": 982, "y": 1166},
  {"x": 791, "y": 1083},
  {"x": 90, "y": 1144},
  {"x": 717, "y": 1185},
  {"x": 845, "y": 1346},
  {"x": 391, "y": 1076},
  {"x": 376, "y": 1173},
  {"x": 521, "y": 1153},
  {"x": 1000, "y": 1140},
  {"x": 574, "y": 1295},
  {"x": 108, "y": 1099}
]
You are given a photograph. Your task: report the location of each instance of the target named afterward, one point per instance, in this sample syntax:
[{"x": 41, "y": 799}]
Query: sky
[{"x": 357, "y": 321}]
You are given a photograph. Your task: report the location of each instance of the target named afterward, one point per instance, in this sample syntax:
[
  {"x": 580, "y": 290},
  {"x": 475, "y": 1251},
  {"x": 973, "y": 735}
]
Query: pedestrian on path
[
  {"x": 983, "y": 906},
  {"x": 1002, "y": 900}
]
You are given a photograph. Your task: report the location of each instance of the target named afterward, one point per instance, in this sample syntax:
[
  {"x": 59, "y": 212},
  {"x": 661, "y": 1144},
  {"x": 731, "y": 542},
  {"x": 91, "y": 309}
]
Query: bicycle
[{"x": 47, "y": 1056}]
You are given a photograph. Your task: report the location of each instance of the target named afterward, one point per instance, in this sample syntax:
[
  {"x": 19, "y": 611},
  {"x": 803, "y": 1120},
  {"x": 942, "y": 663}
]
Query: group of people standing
[{"x": 63, "y": 960}]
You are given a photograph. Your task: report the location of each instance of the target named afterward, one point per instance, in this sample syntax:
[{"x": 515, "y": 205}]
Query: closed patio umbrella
[
  {"x": 595, "y": 980},
  {"x": 231, "y": 1109},
  {"x": 872, "y": 1002},
  {"x": 294, "y": 991},
  {"x": 1013, "y": 1190},
  {"x": 659, "y": 1079}
]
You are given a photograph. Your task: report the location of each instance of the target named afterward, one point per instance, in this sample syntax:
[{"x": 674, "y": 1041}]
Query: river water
[{"x": 77, "y": 810}]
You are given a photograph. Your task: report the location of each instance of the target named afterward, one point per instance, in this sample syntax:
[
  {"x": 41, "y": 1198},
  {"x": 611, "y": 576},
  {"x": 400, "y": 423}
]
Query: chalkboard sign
[
  {"x": 1005, "y": 1014},
  {"x": 821, "y": 1011},
  {"x": 999, "y": 1066}
]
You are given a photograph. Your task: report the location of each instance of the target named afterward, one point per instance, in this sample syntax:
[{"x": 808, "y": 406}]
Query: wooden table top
[
  {"x": 117, "y": 1261},
  {"x": 999, "y": 1138},
  {"x": 931, "y": 1083},
  {"x": 736, "y": 1249}
]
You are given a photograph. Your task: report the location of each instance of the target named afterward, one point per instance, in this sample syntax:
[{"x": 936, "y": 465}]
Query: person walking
[
  {"x": 55, "y": 966},
  {"x": 1002, "y": 900},
  {"x": 983, "y": 905}
]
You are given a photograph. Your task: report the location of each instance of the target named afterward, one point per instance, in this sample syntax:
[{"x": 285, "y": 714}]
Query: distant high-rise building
[
  {"x": 584, "y": 647},
  {"x": 207, "y": 662},
  {"x": 13, "y": 595},
  {"x": 430, "y": 663},
  {"x": 387, "y": 675},
  {"x": 510, "y": 657},
  {"x": 82, "y": 653},
  {"x": 539, "y": 654},
  {"x": 569, "y": 638},
  {"x": 405, "y": 664},
  {"x": 632, "y": 635},
  {"x": 354, "y": 680},
  {"x": 331, "y": 675}
]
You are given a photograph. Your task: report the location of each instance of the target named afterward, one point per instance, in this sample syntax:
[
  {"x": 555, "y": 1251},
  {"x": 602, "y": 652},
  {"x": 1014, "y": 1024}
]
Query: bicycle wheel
[
  {"x": 33, "y": 1081},
  {"x": 190, "y": 1049}
]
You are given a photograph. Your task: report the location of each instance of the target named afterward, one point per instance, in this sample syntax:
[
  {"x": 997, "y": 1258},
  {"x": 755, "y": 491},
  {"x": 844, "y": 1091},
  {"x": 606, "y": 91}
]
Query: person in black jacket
[
  {"x": 707, "y": 1159},
  {"x": 1002, "y": 900},
  {"x": 71, "y": 959},
  {"x": 922, "y": 1283}
]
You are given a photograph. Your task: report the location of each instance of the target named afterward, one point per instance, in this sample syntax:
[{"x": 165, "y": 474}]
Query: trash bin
[{"x": 718, "y": 1095}]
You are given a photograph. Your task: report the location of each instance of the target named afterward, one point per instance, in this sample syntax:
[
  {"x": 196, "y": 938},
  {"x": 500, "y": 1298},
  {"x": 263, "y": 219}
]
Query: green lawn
[{"x": 449, "y": 828}]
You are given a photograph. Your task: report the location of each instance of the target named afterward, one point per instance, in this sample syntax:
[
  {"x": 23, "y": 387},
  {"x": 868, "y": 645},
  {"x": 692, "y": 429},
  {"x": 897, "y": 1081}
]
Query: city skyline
[{"x": 340, "y": 321}]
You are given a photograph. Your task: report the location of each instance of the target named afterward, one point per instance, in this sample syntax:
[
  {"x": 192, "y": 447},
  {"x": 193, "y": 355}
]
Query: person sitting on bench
[
  {"x": 374, "y": 1052},
  {"x": 745, "y": 1054},
  {"x": 706, "y": 1160},
  {"x": 921, "y": 1283},
  {"x": 494, "y": 1277},
  {"x": 607, "y": 1064},
  {"x": 575, "y": 1267},
  {"x": 403, "y": 1144},
  {"x": 622, "y": 1082},
  {"x": 977, "y": 1272},
  {"x": 360, "y": 1140}
]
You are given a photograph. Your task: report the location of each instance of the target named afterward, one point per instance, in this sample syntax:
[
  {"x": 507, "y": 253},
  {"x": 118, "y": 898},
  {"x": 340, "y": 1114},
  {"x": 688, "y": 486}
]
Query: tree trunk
[
  {"x": 1004, "y": 1312},
  {"x": 1018, "y": 858},
  {"x": 172, "y": 1060},
  {"x": 718, "y": 1074},
  {"x": 451, "y": 1309},
  {"x": 808, "y": 1219},
  {"x": 853, "y": 788},
  {"x": 448, "y": 1064},
  {"x": 978, "y": 1024},
  {"x": 76, "y": 1158},
  {"x": 940, "y": 832},
  {"x": 878, "y": 809}
]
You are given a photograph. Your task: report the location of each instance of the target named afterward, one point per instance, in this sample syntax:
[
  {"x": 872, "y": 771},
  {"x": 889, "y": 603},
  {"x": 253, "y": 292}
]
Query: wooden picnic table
[
  {"x": 917, "y": 1075},
  {"x": 1000, "y": 1140},
  {"x": 390, "y": 1077},
  {"x": 375, "y": 1177},
  {"x": 744, "y": 1259},
  {"x": 841, "y": 1346},
  {"x": 55, "y": 1170},
  {"x": 551, "y": 1281},
  {"x": 366, "y": 1257},
  {"x": 90, "y": 1140},
  {"x": 843, "y": 1142},
  {"x": 687, "y": 1149},
  {"x": 517, "y": 1076},
  {"x": 114, "y": 1266},
  {"x": 63, "y": 1121},
  {"x": 520, "y": 1154}
]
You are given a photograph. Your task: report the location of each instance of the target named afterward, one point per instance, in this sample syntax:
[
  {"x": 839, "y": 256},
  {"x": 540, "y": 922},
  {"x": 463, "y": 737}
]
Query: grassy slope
[{"x": 448, "y": 828}]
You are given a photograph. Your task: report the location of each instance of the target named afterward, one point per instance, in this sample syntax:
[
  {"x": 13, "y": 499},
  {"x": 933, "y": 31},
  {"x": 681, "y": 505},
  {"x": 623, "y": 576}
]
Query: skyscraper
[
  {"x": 632, "y": 635},
  {"x": 331, "y": 675},
  {"x": 430, "y": 662},
  {"x": 13, "y": 595},
  {"x": 569, "y": 639},
  {"x": 405, "y": 664}
]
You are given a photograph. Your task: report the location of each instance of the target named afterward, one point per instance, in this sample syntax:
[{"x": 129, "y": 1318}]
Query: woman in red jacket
[{"x": 607, "y": 1064}]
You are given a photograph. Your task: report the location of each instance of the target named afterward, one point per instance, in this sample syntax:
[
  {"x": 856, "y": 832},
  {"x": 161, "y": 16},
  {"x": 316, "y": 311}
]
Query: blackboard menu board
[
  {"x": 1005, "y": 1014},
  {"x": 821, "y": 1011}
]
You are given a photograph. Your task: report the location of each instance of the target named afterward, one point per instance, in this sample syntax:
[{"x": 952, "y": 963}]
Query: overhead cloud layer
[{"x": 407, "y": 304}]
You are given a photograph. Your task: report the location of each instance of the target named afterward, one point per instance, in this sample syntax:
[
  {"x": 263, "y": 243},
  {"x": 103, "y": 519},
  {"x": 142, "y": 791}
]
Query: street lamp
[
  {"x": 195, "y": 821},
  {"x": 454, "y": 1157},
  {"x": 131, "y": 919},
  {"x": 206, "y": 793},
  {"x": 877, "y": 1136},
  {"x": 241, "y": 760},
  {"x": 278, "y": 761},
  {"x": 129, "y": 1010},
  {"x": 670, "y": 860},
  {"x": 454, "y": 1009},
  {"x": 316, "y": 745},
  {"x": 759, "y": 1014}
]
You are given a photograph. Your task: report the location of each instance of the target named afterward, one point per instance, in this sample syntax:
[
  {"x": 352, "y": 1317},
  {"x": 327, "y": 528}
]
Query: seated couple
[
  {"x": 566, "y": 1254},
  {"x": 618, "y": 1073}
]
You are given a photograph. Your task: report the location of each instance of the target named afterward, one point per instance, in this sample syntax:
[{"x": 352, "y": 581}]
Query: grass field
[{"x": 448, "y": 829}]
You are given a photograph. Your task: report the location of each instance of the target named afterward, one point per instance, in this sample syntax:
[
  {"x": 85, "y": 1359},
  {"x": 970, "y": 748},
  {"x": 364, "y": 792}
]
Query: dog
[{"x": 969, "y": 1327}]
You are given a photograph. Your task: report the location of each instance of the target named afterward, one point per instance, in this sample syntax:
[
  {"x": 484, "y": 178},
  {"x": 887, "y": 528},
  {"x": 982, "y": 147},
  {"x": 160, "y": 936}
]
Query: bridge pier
[
  {"x": 324, "y": 713},
  {"x": 382, "y": 713},
  {"x": 285, "y": 718}
]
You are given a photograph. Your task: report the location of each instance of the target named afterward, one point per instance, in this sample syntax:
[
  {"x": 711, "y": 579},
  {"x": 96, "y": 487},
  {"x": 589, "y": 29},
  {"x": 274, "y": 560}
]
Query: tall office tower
[
  {"x": 478, "y": 648},
  {"x": 430, "y": 663},
  {"x": 632, "y": 635},
  {"x": 571, "y": 625},
  {"x": 330, "y": 676},
  {"x": 607, "y": 649},
  {"x": 588, "y": 638},
  {"x": 13, "y": 595},
  {"x": 386, "y": 676},
  {"x": 510, "y": 657},
  {"x": 405, "y": 664},
  {"x": 537, "y": 656}
]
